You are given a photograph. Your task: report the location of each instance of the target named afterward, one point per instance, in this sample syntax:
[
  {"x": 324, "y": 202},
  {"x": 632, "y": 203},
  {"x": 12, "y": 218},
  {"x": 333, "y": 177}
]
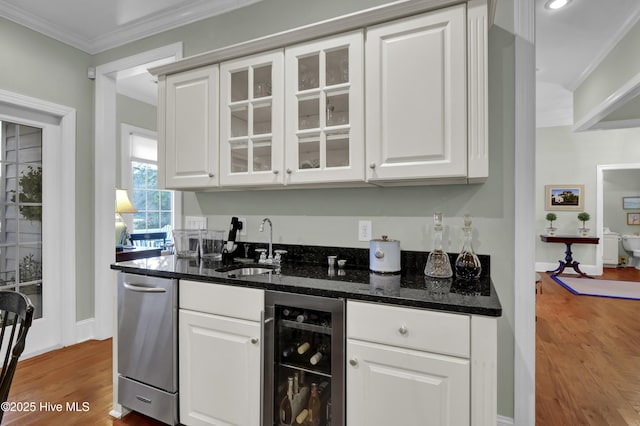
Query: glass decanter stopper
[
  {"x": 467, "y": 264},
  {"x": 438, "y": 264}
]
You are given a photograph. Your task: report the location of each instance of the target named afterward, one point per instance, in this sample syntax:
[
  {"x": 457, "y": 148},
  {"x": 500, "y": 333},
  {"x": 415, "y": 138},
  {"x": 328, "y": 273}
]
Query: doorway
[{"x": 37, "y": 173}]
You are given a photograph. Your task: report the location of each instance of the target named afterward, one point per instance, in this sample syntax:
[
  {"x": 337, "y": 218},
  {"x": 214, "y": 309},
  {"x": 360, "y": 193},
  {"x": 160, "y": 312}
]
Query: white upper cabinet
[
  {"x": 190, "y": 154},
  {"x": 325, "y": 110},
  {"x": 252, "y": 120},
  {"x": 416, "y": 90},
  {"x": 292, "y": 112}
]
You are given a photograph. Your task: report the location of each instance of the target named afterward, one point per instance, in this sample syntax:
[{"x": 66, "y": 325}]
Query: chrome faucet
[{"x": 266, "y": 219}]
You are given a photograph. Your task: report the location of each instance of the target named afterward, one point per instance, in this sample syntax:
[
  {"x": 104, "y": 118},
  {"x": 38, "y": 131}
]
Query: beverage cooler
[{"x": 304, "y": 360}]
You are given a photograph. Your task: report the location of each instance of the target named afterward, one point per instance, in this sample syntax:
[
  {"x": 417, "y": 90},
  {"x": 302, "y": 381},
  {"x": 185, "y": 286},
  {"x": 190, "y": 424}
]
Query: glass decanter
[
  {"x": 467, "y": 264},
  {"x": 438, "y": 264}
]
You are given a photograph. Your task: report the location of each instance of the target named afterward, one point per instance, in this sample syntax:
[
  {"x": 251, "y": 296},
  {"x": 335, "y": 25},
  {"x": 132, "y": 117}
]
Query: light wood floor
[
  {"x": 587, "y": 356},
  {"x": 587, "y": 367}
]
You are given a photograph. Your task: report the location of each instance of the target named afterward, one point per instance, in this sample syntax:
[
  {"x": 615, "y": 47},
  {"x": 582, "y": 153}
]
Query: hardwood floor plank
[
  {"x": 80, "y": 373},
  {"x": 587, "y": 356}
]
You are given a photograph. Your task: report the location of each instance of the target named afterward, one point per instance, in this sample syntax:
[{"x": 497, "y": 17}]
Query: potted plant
[
  {"x": 551, "y": 231},
  {"x": 583, "y": 217}
]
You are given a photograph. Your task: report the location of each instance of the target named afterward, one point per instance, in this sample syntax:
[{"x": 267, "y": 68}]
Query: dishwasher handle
[{"x": 141, "y": 289}]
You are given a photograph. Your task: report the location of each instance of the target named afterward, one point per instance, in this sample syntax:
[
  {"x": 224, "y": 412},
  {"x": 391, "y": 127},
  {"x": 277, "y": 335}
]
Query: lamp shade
[{"x": 123, "y": 204}]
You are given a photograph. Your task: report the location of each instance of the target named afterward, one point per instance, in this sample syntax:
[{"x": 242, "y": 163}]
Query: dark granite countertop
[{"x": 301, "y": 274}]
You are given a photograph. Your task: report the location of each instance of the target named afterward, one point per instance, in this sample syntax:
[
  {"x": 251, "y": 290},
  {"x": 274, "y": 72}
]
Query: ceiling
[{"x": 570, "y": 42}]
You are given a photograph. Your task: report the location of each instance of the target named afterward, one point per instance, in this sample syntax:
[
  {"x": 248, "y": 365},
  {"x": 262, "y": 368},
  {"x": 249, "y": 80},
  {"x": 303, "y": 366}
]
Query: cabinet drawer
[
  {"x": 418, "y": 329},
  {"x": 220, "y": 299}
]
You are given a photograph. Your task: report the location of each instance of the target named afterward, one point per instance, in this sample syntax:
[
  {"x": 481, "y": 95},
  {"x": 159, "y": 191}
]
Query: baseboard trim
[
  {"x": 505, "y": 421},
  {"x": 85, "y": 330}
]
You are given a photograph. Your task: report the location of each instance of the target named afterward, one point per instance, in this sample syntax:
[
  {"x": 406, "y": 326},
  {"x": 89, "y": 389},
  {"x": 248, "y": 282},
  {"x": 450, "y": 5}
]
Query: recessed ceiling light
[{"x": 556, "y": 4}]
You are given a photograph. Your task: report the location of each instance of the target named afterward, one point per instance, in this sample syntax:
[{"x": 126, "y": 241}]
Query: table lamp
[{"x": 123, "y": 205}]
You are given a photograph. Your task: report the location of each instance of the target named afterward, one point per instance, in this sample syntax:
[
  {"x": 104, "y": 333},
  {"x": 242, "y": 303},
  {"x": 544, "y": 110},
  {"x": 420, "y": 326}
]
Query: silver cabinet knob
[
  {"x": 372, "y": 165},
  {"x": 211, "y": 175},
  {"x": 289, "y": 171},
  {"x": 403, "y": 330},
  {"x": 353, "y": 362},
  {"x": 275, "y": 172},
  {"x": 254, "y": 340}
]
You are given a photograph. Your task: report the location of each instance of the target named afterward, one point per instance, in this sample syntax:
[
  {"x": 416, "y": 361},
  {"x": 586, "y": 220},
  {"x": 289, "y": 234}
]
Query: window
[
  {"x": 21, "y": 211},
  {"x": 156, "y": 207}
]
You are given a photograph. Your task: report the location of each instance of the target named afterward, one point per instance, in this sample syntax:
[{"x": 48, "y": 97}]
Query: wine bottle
[
  {"x": 314, "y": 406},
  {"x": 320, "y": 353},
  {"x": 303, "y": 348},
  {"x": 285, "y": 404},
  {"x": 300, "y": 419},
  {"x": 302, "y": 317}
]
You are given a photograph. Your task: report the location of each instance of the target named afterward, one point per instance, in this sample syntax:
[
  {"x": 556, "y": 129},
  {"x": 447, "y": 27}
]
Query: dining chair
[{"x": 16, "y": 315}]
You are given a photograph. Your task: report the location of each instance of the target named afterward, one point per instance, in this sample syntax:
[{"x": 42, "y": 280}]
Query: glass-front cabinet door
[
  {"x": 252, "y": 120},
  {"x": 324, "y": 110}
]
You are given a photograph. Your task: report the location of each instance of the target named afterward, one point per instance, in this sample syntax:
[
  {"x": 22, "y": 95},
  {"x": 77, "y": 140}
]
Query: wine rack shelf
[{"x": 305, "y": 326}]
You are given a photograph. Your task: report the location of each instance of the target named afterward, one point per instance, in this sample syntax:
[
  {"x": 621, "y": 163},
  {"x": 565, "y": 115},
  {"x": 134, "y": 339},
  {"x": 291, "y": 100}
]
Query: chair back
[
  {"x": 149, "y": 239},
  {"x": 16, "y": 315}
]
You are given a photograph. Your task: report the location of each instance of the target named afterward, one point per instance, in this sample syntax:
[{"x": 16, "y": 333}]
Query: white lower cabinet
[
  {"x": 387, "y": 385},
  {"x": 410, "y": 366},
  {"x": 219, "y": 355}
]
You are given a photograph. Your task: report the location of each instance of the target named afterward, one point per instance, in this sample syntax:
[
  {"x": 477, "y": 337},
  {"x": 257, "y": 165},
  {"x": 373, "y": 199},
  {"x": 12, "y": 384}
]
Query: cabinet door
[
  {"x": 219, "y": 370},
  {"x": 324, "y": 110},
  {"x": 416, "y": 97},
  {"x": 191, "y": 129},
  {"x": 252, "y": 120},
  {"x": 387, "y": 385}
]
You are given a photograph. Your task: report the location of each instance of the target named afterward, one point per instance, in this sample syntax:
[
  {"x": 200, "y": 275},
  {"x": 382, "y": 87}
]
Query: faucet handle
[{"x": 278, "y": 257}]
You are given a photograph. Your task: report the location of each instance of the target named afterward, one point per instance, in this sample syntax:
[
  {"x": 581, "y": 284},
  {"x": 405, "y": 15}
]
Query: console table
[{"x": 567, "y": 240}]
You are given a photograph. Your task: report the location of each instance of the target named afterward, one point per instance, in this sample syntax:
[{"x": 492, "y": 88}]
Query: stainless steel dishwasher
[{"x": 148, "y": 346}]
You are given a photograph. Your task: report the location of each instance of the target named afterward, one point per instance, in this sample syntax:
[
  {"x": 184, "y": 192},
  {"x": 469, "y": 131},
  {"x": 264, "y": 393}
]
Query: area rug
[{"x": 601, "y": 288}]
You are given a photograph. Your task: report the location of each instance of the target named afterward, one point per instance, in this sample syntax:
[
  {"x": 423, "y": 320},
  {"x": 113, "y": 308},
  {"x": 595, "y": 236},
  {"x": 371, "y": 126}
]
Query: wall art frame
[
  {"x": 631, "y": 203},
  {"x": 564, "y": 197}
]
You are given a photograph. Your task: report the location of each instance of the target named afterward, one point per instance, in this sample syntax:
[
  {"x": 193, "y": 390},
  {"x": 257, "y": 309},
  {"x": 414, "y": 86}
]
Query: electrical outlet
[
  {"x": 243, "y": 220},
  {"x": 364, "y": 230}
]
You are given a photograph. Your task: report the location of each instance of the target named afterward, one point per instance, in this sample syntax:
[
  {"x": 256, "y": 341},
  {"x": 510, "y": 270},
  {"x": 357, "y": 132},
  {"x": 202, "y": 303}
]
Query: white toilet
[{"x": 631, "y": 244}]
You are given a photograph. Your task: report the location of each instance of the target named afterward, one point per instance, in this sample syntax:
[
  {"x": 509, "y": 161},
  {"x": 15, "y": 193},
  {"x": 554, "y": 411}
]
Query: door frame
[
  {"x": 105, "y": 180},
  {"x": 58, "y": 123}
]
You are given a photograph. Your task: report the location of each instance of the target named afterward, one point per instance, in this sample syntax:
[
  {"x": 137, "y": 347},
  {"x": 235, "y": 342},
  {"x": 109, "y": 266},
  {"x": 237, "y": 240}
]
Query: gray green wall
[
  {"x": 565, "y": 157},
  {"x": 313, "y": 216},
  {"x": 37, "y": 66},
  {"x": 136, "y": 113}
]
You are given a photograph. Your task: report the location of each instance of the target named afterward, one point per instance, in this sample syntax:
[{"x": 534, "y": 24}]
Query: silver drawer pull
[
  {"x": 254, "y": 340},
  {"x": 353, "y": 362},
  {"x": 403, "y": 330},
  {"x": 142, "y": 289},
  {"x": 143, "y": 399}
]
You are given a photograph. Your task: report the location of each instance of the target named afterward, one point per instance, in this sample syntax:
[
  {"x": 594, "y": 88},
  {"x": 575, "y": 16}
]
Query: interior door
[{"x": 25, "y": 262}]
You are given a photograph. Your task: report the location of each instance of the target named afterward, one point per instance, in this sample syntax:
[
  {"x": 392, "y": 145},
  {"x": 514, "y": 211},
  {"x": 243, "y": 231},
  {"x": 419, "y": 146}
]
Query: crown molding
[{"x": 156, "y": 23}]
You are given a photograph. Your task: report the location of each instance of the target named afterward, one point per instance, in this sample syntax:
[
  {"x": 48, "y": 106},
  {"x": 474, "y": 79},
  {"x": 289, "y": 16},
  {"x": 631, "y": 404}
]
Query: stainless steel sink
[{"x": 243, "y": 271}]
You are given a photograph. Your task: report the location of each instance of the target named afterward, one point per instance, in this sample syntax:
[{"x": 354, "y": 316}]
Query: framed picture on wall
[
  {"x": 633, "y": 218},
  {"x": 631, "y": 203},
  {"x": 564, "y": 197}
]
